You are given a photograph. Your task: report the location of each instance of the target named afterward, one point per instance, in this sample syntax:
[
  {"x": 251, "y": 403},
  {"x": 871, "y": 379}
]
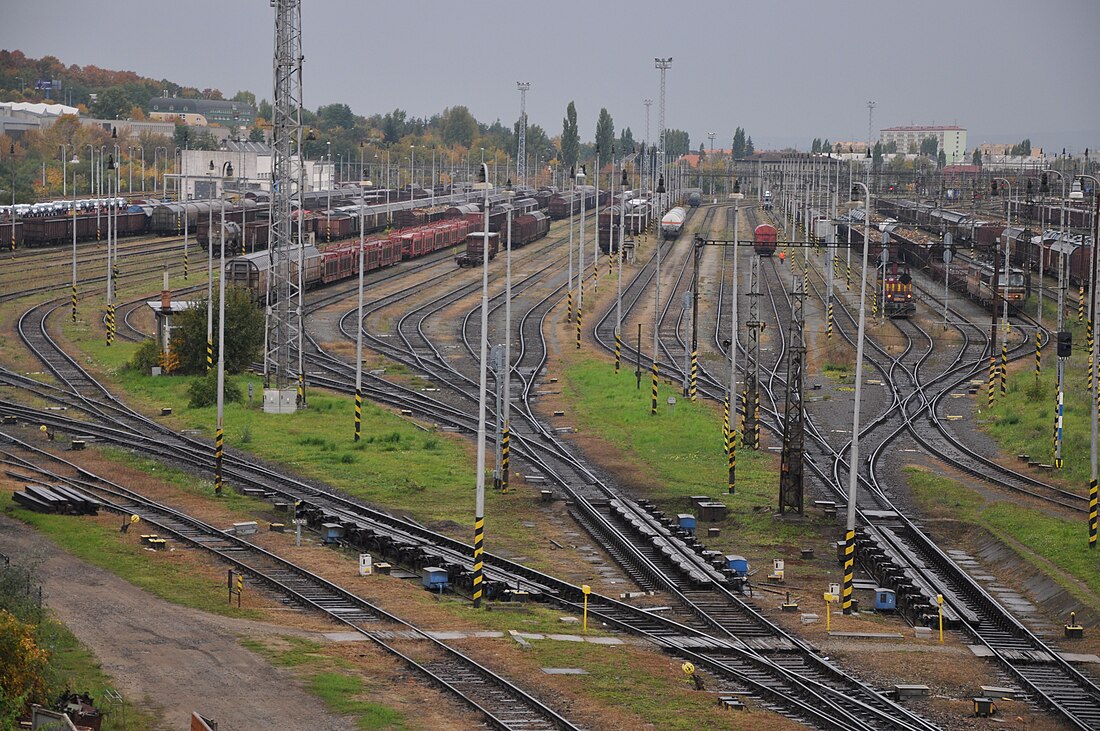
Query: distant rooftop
[
  {"x": 53, "y": 110},
  {"x": 924, "y": 128}
]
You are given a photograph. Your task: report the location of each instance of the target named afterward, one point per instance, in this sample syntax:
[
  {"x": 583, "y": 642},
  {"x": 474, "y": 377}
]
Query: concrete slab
[
  {"x": 1078, "y": 657},
  {"x": 566, "y": 638},
  {"x": 565, "y": 671},
  {"x": 604, "y": 640},
  {"x": 866, "y": 635},
  {"x": 345, "y": 637}
]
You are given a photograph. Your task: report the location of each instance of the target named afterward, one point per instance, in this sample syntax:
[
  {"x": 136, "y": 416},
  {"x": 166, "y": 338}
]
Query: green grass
[
  {"x": 614, "y": 680},
  {"x": 185, "y": 482},
  {"x": 395, "y": 463},
  {"x": 1054, "y": 545},
  {"x": 329, "y": 679},
  {"x": 157, "y": 573},
  {"x": 1023, "y": 421},
  {"x": 74, "y": 666},
  {"x": 681, "y": 448}
]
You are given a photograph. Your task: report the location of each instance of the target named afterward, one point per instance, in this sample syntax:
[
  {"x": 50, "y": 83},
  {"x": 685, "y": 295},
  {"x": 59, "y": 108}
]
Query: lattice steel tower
[
  {"x": 750, "y": 404},
  {"x": 794, "y": 424},
  {"x": 663, "y": 65},
  {"x": 645, "y": 168},
  {"x": 283, "y": 324},
  {"x": 521, "y": 153}
]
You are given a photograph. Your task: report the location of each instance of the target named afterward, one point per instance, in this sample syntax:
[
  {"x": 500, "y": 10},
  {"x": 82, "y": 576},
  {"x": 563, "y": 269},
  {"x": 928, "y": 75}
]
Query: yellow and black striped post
[
  {"x": 1058, "y": 461},
  {"x": 653, "y": 392},
  {"x": 110, "y": 324},
  {"x": 579, "y": 316},
  {"x": 992, "y": 377},
  {"x": 1080, "y": 304},
  {"x": 595, "y": 275},
  {"x": 479, "y": 548},
  {"x": 610, "y": 259},
  {"x": 726, "y": 426},
  {"x": 569, "y": 301},
  {"x": 73, "y": 298},
  {"x": 358, "y": 411},
  {"x": 1038, "y": 354},
  {"x": 848, "y": 282},
  {"x": 301, "y": 390},
  {"x": 693, "y": 386},
  {"x": 874, "y": 305},
  {"x": 179, "y": 229},
  {"x": 829, "y": 323},
  {"x": 209, "y": 355},
  {"x": 219, "y": 444},
  {"x": 1092, "y": 513},
  {"x": 731, "y": 486},
  {"x": 618, "y": 350},
  {"x": 186, "y": 264},
  {"x": 1004, "y": 369},
  {"x": 849, "y": 570},
  {"x": 328, "y": 231},
  {"x": 505, "y": 450}
]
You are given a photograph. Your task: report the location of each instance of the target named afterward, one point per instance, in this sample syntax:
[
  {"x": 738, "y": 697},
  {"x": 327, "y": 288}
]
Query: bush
[
  {"x": 145, "y": 357},
  {"x": 204, "y": 391}
]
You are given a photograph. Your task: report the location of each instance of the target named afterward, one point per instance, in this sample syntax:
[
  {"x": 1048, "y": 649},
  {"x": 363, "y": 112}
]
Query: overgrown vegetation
[{"x": 40, "y": 658}]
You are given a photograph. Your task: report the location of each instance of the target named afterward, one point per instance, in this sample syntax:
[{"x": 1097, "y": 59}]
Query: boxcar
[
  {"x": 475, "y": 251},
  {"x": 764, "y": 239}
]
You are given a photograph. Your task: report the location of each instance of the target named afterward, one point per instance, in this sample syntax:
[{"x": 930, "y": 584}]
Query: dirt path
[{"x": 178, "y": 659}]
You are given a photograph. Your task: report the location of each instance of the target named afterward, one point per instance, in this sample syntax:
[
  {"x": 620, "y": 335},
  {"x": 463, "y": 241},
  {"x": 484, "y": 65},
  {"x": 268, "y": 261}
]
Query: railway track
[
  {"x": 501, "y": 703},
  {"x": 615, "y": 522}
]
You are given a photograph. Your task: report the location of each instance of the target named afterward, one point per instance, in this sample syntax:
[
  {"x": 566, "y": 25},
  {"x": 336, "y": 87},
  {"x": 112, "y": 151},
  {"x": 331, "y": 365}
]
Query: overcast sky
[{"x": 785, "y": 70}]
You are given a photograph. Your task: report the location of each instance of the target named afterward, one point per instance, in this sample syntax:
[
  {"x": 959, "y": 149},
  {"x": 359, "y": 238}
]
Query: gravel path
[{"x": 177, "y": 659}]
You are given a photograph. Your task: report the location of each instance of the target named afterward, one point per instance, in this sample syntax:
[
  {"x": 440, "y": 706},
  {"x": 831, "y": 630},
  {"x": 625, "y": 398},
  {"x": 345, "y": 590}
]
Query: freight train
[{"x": 253, "y": 271}]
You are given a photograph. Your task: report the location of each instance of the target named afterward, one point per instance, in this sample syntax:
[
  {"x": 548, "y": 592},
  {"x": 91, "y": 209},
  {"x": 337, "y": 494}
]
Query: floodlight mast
[{"x": 283, "y": 333}]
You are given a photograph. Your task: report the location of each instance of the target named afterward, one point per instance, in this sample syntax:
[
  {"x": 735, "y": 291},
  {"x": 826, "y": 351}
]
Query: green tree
[
  {"x": 245, "y": 96},
  {"x": 891, "y": 147},
  {"x": 702, "y": 151},
  {"x": 256, "y": 134},
  {"x": 1024, "y": 148},
  {"x": 677, "y": 142},
  {"x": 941, "y": 158},
  {"x": 750, "y": 149},
  {"x": 335, "y": 115},
  {"x": 816, "y": 146},
  {"x": 605, "y": 133},
  {"x": 570, "y": 136},
  {"x": 826, "y": 146},
  {"x": 626, "y": 141},
  {"x": 459, "y": 126},
  {"x": 737, "y": 147},
  {"x": 112, "y": 103},
  {"x": 394, "y": 125},
  {"x": 976, "y": 158},
  {"x": 244, "y": 333},
  {"x": 876, "y": 156}
]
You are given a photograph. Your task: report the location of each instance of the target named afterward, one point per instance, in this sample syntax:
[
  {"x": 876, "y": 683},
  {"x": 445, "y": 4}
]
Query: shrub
[
  {"x": 204, "y": 391},
  {"x": 145, "y": 357}
]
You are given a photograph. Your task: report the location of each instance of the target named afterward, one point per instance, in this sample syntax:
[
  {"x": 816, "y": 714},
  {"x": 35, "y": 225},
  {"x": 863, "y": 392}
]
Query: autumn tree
[{"x": 23, "y": 668}]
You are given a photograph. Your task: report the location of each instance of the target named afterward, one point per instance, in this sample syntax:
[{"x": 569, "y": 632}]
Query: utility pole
[
  {"x": 283, "y": 326},
  {"x": 521, "y": 151},
  {"x": 645, "y": 168}
]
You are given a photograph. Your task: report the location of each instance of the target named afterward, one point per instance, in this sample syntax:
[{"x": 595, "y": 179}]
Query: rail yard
[{"x": 625, "y": 435}]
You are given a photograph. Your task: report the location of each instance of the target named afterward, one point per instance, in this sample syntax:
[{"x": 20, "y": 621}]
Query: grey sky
[{"x": 786, "y": 71}]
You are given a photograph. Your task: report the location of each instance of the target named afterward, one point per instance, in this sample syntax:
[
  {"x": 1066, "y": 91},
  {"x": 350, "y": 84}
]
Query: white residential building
[{"x": 951, "y": 139}]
